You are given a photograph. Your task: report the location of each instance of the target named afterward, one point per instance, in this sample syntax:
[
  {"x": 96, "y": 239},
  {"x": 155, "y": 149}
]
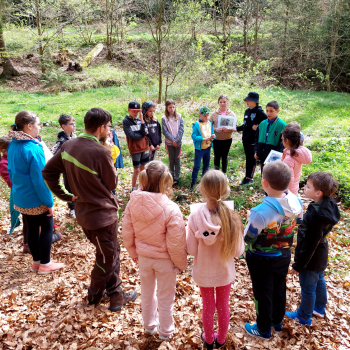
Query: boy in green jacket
[{"x": 269, "y": 134}]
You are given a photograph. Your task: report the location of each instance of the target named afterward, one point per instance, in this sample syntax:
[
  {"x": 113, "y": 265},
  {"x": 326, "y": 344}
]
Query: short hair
[
  {"x": 324, "y": 182},
  {"x": 96, "y": 117},
  {"x": 4, "y": 142},
  {"x": 22, "y": 119},
  {"x": 278, "y": 175},
  {"x": 221, "y": 97},
  {"x": 273, "y": 104},
  {"x": 64, "y": 119}
]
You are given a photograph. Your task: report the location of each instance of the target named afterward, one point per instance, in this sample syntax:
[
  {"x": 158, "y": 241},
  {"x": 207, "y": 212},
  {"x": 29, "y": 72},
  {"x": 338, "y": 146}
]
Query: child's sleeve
[
  {"x": 5, "y": 175},
  {"x": 128, "y": 233},
  {"x": 134, "y": 132},
  {"x": 166, "y": 132},
  {"x": 191, "y": 240},
  {"x": 290, "y": 164},
  {"x": 195, "y": 136},
  {"x": 212, "y": 130},
  {"x": 254, "y": 227},
  {"x": 181, "y": 131},
  {"x": 159, "y": 132},
  {"x": 256, "y": 140}
]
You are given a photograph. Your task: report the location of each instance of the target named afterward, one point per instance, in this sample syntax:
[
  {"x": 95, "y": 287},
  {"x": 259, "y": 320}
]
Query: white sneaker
[
  {"x": 151, "y": 331},
  {"x": 72, "y": 214},
  {"x": 162, "y": 338}
]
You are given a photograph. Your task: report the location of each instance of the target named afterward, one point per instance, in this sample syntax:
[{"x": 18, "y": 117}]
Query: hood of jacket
[
  {"x": 207, "y": 230},
  {"x": 20, "y": 136},
  {"x": 147, "y": 206},
  {"x": 62, "y": 135},
  {"x": 304, "y": 156},
  {"x": 290, "y": 205},
  {"x": 329, "y": 211}
]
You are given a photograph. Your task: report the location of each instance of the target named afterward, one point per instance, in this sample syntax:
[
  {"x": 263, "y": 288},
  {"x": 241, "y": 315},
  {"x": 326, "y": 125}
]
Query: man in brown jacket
[{"x": 92, "y": 176}]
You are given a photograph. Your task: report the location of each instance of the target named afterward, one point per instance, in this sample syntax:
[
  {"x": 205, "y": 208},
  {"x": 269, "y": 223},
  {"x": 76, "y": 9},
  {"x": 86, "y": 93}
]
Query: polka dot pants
[{"x": 222, "y": 305}]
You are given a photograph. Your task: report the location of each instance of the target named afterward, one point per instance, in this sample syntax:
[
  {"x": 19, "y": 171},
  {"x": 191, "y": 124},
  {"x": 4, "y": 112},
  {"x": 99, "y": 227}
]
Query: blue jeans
[
  {"x": 198, "y": 155},
  {"x": 313, "y": 292}
]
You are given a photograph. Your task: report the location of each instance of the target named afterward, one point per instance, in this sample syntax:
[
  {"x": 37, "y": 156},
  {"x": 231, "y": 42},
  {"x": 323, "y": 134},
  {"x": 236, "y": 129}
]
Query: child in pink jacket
[
  {"x": 155, "y": 236},
  {"x": 294, "y": 155},
  {"x": 214, "y": 237}
]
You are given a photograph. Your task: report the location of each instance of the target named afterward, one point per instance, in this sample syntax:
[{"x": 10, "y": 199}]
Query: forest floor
[{"x": 51, "y": 312}]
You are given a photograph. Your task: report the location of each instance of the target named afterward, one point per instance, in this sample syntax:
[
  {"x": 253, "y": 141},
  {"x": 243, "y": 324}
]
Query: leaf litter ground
[{"x": 51, "y": 312}]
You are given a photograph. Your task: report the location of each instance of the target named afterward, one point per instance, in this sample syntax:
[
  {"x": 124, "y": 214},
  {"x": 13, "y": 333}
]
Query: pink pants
[
  {"x": 222, "y": 305},
  {"x": 157, "y": 274}
]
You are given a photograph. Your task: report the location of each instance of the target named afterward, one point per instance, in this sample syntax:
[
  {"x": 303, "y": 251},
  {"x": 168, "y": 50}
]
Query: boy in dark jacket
[
  {"x": 311, "y": 252},
  {"x": 269, "y": 134},
  {"x": 67, "y": 123},
  {"x": 253, "y": 116},
  {"x": 136, "y": 130}
]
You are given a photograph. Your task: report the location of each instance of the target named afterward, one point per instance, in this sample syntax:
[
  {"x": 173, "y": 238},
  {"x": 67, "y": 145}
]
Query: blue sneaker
[
  {"x": 277, "y": 327},
  {"x": 319, "y": 312},
  {"x": 295, "y": 316},
  {"x": 253, "y": 330}
]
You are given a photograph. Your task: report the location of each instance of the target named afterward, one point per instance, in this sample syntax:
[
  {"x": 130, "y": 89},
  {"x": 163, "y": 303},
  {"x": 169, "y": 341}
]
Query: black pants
[
  {"x": 39, "y": 242},
  {"x": 105, "y": 274},
  {"x": 268, "y": 276},
  {"x": 66, "y": 185},
  {"x": 250, "y": 161},
  {"x": 221, "y": 149}
]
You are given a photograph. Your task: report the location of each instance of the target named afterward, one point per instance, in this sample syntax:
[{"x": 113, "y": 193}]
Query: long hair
[
  {"x": 22, "y": 119},
  {"x": 156, "y": 178},
  {"x": 292, "y": 134},
  {"x": 214, "y": 188},
  {"x": 168, "y": 103}
]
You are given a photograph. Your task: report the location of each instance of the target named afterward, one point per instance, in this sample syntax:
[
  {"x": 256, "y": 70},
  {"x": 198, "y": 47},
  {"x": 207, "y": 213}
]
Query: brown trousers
[{"x": 105, "y": 274}]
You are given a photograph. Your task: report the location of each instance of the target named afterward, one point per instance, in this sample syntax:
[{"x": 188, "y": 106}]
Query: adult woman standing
[
  {"x": 223, "y": 140},
  {"x": 31, "y": 196}
]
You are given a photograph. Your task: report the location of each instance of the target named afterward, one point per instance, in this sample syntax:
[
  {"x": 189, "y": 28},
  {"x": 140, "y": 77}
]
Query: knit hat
[
  {"x": 134, "y": 106},
  {"x": 252, "y": 96},
  {"x": 204, "y": 110},
  {"x": 146, "y": 106}
]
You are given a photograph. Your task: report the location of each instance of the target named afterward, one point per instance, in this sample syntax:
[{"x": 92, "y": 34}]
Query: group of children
[
  {"x": 156, "y": 238},
  {"x": 155, "y": 234}
]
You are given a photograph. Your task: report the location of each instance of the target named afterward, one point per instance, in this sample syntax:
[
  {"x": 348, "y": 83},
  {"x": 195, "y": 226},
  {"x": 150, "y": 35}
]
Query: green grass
[{"x": 324, "y": 118}]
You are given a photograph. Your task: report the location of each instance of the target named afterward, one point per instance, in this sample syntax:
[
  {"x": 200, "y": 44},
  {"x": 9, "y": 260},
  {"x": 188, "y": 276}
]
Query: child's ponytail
[
  {"x": 292, "y": 133},
  {"x": 215, "y": 189},
  {"x": 156, "y": 178}
]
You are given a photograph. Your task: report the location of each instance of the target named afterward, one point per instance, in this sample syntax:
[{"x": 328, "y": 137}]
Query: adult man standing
[{"x": 92, "y": 177}]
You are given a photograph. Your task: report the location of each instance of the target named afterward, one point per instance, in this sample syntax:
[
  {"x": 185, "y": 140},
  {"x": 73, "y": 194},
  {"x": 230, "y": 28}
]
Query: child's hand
[
  {"x": 254, "y": 127},
  {"x": 248, "y": 214},
  {"x": 175, "y": 144},
  {"x": 50, "y": 212},
  {"x": 74, "y": 198},
  {"x": 136, "y": 260},
  {"x": 255, "y": 156},
  {"x": 157, "y": 147},
  {"x": 293, "y": 272},
  {"x": 141, "y": 116},
  {"x": 151, "y": 148},
  {"x": 213, "y": 136}
]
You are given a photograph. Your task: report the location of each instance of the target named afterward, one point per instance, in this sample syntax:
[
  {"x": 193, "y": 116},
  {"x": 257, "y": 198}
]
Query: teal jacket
[{"x": 197, "y": 136}]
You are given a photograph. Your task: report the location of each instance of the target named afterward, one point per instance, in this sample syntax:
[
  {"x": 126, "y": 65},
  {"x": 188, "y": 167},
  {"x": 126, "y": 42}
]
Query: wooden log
[{"x": 91, "y": 55}]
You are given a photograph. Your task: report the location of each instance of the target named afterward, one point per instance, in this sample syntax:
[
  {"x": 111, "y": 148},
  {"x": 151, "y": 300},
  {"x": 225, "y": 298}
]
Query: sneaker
[
  {"x": 253, "y": 330},
  {"x": 246, "y": 181},
  {"x": 192, "y": 187},
  {"x": 116, "y": 302},
  {"x": 54, "y": 266},
  {"x": 217, "y": 344},
  {"x": 56, "y": 237},
  {"x": 277, "y": 327},
  {"x": 35, "y": 267},
  {"x": 164, "y": 338},
  {"x": 151, "y": 331},
  {"x": 319, "y": 312},
  {"x": 72, "y": 214},
  {"x": 205, "y": 344},
  {"x": 295, "y": 316},
  {"x": 26, "y": 249}
]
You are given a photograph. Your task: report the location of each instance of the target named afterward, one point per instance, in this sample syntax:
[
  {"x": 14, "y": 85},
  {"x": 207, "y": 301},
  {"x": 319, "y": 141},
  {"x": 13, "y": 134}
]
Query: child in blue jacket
[{"x": 202, "y": 136}]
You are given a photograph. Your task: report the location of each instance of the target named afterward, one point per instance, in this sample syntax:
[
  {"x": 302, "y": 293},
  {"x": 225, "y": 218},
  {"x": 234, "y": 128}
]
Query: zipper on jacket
[{"x": 98, "y": 242}]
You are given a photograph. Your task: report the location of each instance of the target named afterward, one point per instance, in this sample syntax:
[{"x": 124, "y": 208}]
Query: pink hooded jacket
[
  {"x": 204, "y": 243},
  {"x": 153, "y": 227},
  {"x": 295, "y": 163}
]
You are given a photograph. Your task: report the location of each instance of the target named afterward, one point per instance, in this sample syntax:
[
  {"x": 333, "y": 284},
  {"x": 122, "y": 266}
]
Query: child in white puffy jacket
[{"x": 154, "y": 235}]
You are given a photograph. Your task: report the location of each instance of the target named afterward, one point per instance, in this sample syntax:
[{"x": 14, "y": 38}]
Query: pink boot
[
  {"x": 54, "y": 266},
  {"x": 35, "y": 267}
]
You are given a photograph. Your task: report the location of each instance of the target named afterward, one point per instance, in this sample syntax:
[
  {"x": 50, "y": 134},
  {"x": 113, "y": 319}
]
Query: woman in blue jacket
[
  {"x": 31, "y": 196},
  {"x": 202, "y": 136}
]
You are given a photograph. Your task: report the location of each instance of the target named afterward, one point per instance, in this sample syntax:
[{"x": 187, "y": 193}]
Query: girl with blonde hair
[
  {"x": 154, "y": 235},
  {"x": 214, "y": 237}
]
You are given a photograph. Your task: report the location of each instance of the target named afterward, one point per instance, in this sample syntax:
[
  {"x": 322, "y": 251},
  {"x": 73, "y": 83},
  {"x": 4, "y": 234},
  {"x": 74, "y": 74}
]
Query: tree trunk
[
  {"x": 245, "y": 29},
  {"x": 40, "y": 34},
  {"x": 8, "y": 70},
  {"x": 160, "y": 73},
  {"x": 108, "y": 33},
  {"x": 256, "y": 32},
  {"x": 284, "y": 44}
]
